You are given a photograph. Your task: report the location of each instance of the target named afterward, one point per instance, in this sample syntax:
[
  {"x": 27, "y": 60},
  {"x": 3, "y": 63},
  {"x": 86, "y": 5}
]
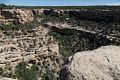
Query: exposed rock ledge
[
  {"x": 15, "y": 16},
  {"x": 3, "y": 78},
  {"x": 100, "y": 64}
]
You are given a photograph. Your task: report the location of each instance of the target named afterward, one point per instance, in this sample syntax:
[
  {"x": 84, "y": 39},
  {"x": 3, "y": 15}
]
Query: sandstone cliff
[
  {"x": 32, "y": 46},
  {"x": 100, "y": 64},
  {"x": 15, "y": 16}
]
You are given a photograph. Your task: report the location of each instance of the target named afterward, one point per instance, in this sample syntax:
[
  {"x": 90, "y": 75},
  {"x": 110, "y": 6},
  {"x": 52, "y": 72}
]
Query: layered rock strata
[{"x": 15, "y": 16}]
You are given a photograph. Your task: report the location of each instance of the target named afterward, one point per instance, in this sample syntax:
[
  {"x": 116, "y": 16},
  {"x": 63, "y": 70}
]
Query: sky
[{"x": 60, "y": 2}]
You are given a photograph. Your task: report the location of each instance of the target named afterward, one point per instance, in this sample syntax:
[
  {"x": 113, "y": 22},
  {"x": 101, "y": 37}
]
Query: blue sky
[{"x": 61, "y": 2}]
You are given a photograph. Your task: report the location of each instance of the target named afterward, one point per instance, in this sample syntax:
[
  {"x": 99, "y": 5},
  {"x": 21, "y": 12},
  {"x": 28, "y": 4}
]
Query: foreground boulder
[{"x": 100, "y": 64}]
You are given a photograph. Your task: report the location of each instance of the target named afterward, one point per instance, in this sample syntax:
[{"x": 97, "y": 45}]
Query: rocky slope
[
  {"x": 32, "y": 46},
  {"x": 100, "y": 64}
]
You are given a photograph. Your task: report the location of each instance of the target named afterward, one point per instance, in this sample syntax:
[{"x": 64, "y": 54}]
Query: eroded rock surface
[
  {"x": 100, "y": 64},
  {"x": 15, "y": 16},
  {"x": 3, "y": 78},
  {"x": 32, "y": 46}
]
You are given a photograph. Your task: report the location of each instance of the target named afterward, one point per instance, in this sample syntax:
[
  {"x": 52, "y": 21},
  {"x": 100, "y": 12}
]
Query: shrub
[
  {"x": 1, "y": 70},
  {"x": 24, "y": 73},
  {"x": 49, "y": 75}
]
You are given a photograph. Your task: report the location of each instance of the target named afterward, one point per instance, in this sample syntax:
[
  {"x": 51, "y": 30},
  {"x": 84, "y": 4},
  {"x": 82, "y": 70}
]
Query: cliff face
[
  {"x": 26, "y": 15},
  {"x": 32, "y": 46},
  {"x": 15, "y": 16}
]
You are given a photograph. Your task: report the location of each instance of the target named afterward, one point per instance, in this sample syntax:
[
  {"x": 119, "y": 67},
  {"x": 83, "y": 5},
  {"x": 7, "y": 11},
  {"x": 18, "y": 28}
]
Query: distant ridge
[{"x": 114, "y": 4}]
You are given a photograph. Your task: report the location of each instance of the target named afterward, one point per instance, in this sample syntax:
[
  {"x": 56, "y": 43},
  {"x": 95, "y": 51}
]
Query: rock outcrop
[
  {"x": 15, "y": 16},
  {"x": 32, "y": 46},
  {"x": 100, "y": 64},
  {"x": 3, "y": 78}
]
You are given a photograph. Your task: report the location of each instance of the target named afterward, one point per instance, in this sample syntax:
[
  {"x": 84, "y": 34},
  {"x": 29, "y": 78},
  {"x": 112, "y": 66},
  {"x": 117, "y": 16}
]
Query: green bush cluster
[
  {"x": 48, "y": 75},
  {"x": 32, "y": 73},
  {"x": 104, "y": 27},
  {"x": 71, "y": 41},
  {"x": 4, "y": 6},
  {"x": 5, "y": 72},
  {"x": 26, "y": 26},
  {"x": 1, "y": 70},
  {"x": 24, "y": 73}
]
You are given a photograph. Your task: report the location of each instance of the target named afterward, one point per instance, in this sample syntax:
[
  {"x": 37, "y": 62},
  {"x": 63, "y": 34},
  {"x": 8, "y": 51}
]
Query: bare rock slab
[{"x": 100, "y": 64}]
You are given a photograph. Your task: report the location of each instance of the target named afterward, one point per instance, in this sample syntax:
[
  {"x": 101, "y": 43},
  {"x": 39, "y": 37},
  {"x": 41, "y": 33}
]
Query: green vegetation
[
  {"x": 7, "y": 72},
  {"x": 24, "y": 73},
  {"x": 49, "y": 75},
  {"x": 91, "y": 8},
  {"x": 3, "y": 6},
  {"x": 26, "y": 26},
  {"x": 104, "y": 27},
  {"x": 1, "y": 70},
  {"x": 71, "y": 42}
]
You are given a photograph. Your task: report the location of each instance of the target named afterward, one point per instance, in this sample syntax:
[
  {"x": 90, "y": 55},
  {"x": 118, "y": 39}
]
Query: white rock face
[
  {"x": 100, "y": 64},
  {"x": 3, "y": 78}
]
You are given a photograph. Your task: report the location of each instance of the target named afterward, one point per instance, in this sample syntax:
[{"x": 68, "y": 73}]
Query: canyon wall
[
  {"x": 26, "y": 15},
  {"x": 15, "y": 16},
  {"x": 33, "y": 46}
]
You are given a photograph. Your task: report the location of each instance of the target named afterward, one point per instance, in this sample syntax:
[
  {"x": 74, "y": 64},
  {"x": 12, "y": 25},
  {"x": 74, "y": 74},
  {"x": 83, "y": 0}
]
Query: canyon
[{"x": 53, "y": 45}]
